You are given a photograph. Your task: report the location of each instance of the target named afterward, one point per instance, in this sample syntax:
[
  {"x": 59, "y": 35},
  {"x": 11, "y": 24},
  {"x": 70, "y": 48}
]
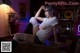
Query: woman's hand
[{"x": 42, "y": 7}]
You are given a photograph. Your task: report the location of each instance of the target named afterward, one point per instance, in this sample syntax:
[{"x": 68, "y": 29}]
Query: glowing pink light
[
  {"x": 63, "y": 3},
  {"x": 78, "y": 28},
  {"x": 78, "y": 34}
]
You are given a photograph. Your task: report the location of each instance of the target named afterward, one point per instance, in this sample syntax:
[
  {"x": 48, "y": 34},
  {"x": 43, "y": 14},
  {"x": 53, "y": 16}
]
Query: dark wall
[{"x": 35, "y": 5}]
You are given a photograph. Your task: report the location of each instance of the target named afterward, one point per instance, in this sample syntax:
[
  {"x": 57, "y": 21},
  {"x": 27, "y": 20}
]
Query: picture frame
[{"x": 22, "y": 11}]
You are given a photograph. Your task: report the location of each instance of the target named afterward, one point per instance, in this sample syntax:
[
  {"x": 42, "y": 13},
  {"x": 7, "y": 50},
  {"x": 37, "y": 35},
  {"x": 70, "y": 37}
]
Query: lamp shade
[{"x": 8, "y": 2}]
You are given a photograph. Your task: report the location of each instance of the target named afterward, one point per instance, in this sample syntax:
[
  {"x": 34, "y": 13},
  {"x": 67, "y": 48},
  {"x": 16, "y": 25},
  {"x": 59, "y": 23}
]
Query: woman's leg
[
  {"x": 35, "y": 29},
  {"x": 35, "y": 25},
  {"x": 37, "y": 41}
]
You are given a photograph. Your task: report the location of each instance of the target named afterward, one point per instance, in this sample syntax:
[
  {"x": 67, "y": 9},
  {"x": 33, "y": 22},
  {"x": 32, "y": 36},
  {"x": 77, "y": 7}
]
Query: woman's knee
[{"x": 33, "y": 21}]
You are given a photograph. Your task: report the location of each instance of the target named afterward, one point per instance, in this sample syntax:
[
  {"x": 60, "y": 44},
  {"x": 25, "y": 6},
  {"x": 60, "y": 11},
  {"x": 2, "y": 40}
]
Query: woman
[{"x": 43, "y": 30}]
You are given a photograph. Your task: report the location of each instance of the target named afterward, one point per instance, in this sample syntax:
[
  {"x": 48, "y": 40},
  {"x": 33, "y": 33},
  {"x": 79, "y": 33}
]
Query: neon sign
[
  {"x": 78, "y": 28},
  {"x": 63, "y": 3}
]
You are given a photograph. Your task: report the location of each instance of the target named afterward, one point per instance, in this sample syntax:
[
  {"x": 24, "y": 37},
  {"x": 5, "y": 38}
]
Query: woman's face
[{"x": 48, "y": 13}]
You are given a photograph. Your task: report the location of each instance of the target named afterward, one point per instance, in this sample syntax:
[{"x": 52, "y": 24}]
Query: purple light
[
  {"x": 78, "y": 28},
  {"x": 78, "y": 34},
  {"x": 24, "y": 22}
]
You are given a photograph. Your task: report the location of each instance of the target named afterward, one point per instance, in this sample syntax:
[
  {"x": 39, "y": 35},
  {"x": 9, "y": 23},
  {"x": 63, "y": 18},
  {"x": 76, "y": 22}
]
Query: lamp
[{"x": 8, "y": 2}]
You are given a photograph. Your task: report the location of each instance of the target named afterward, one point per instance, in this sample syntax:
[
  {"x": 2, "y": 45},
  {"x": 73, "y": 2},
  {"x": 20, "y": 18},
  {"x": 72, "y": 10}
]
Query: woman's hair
[
  {"x": 49, "y": 7},
  {"x": 29, "y": 28}
]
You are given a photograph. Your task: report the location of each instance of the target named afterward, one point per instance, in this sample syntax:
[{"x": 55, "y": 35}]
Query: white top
[{"x": 47, "y": 22}]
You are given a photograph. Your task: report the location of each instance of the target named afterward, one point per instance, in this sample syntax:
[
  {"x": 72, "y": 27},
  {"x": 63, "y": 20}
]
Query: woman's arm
[{"x": 38, "y": 13}]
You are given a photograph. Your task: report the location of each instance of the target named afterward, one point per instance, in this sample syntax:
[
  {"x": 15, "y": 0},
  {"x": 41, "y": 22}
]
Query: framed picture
[{"x": 22, "y": 11}]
